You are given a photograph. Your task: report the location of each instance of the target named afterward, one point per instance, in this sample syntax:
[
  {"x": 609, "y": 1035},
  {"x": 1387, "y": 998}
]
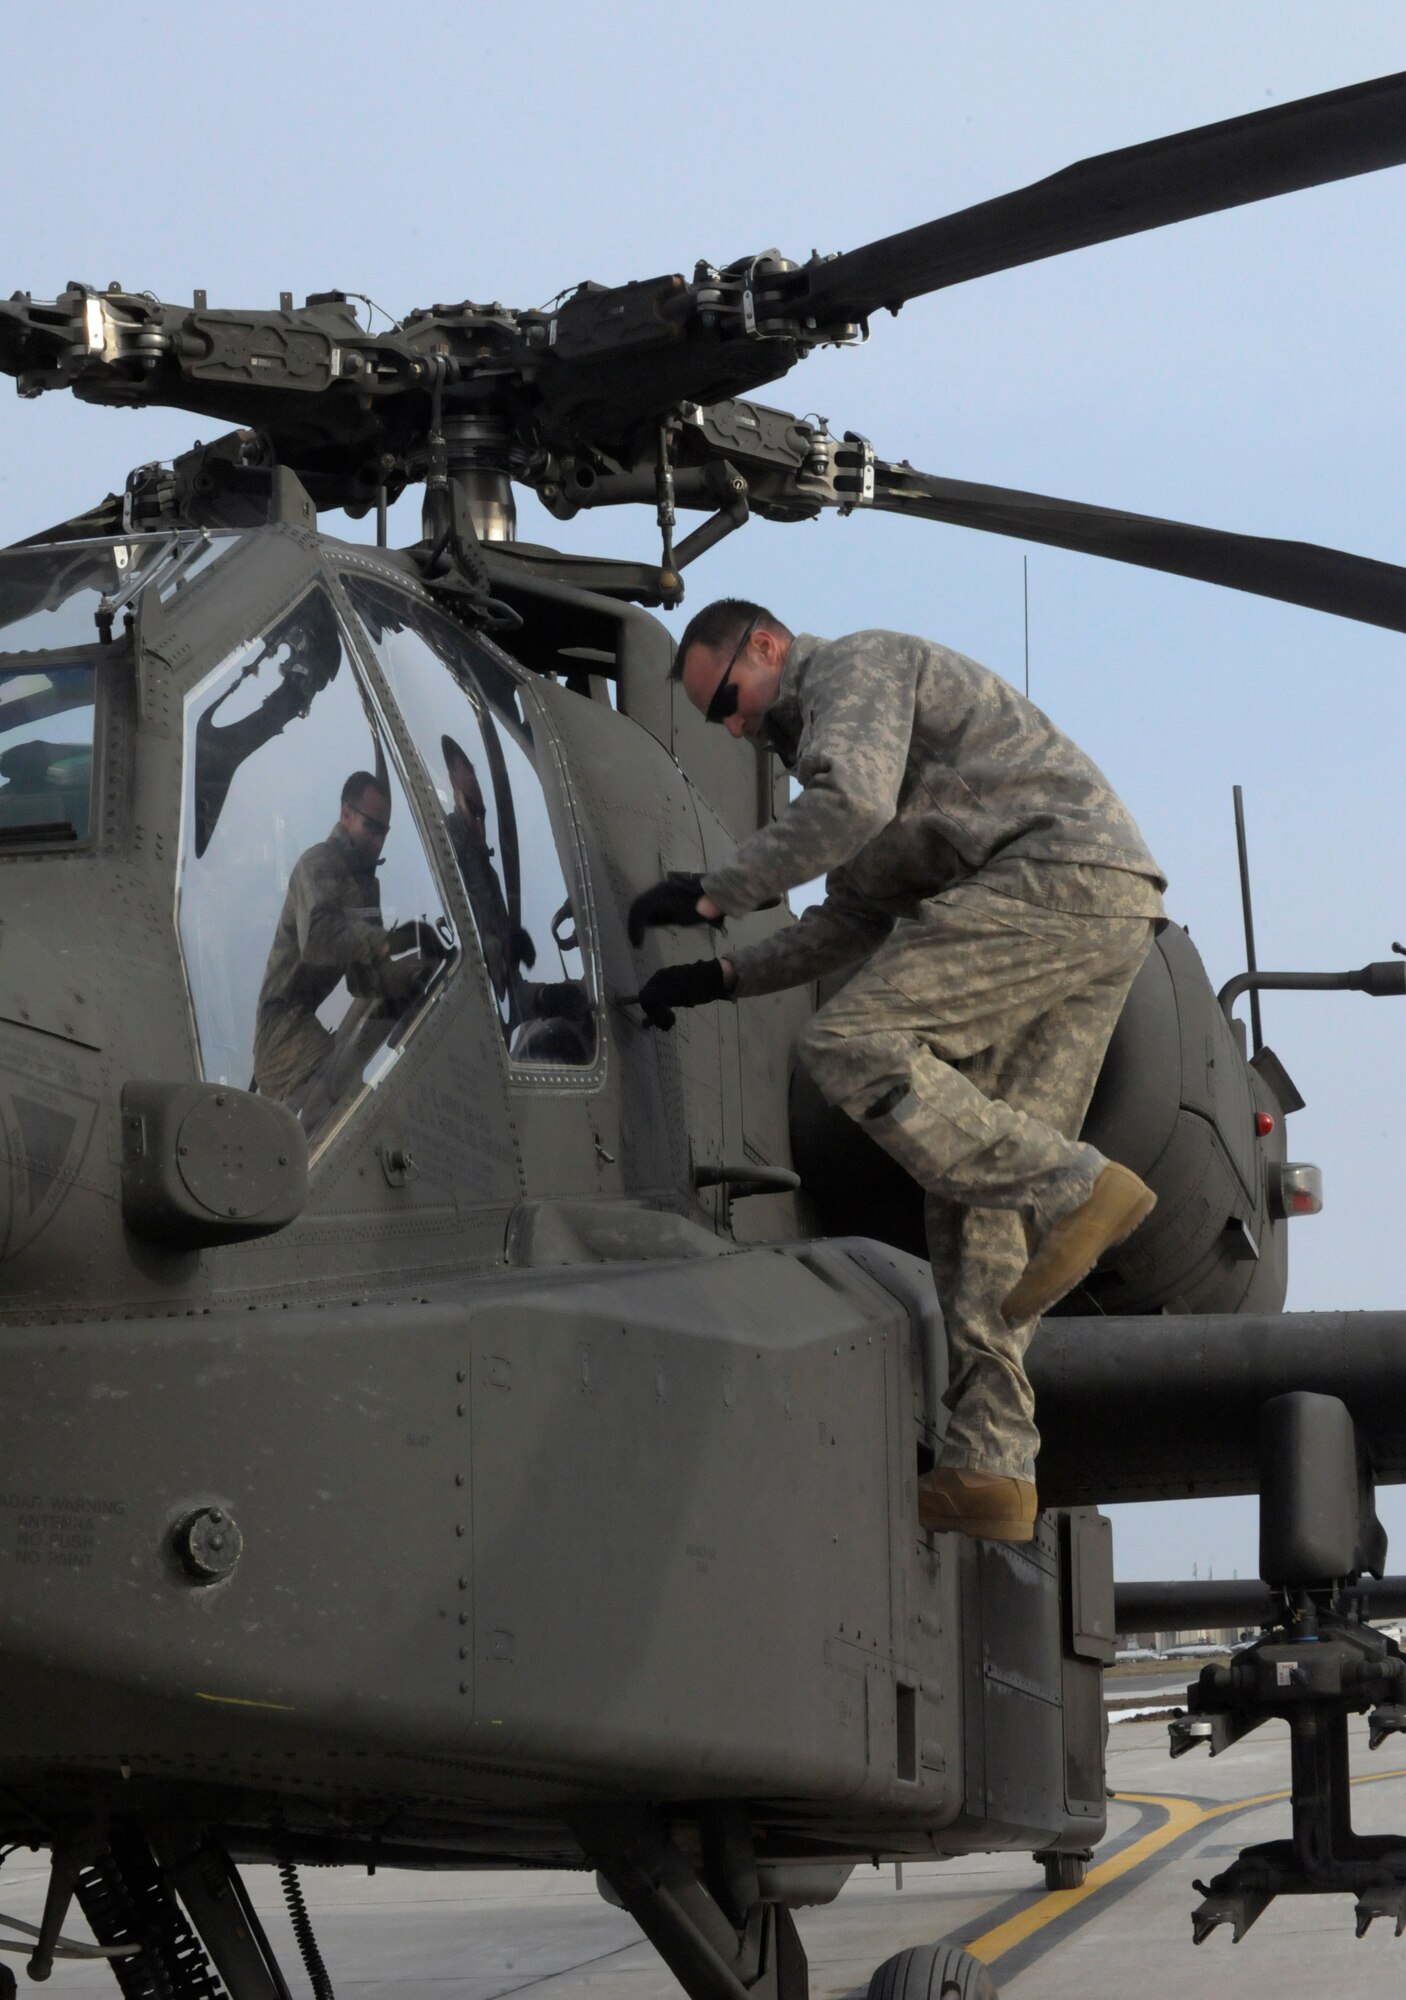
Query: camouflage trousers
[{"x": 969, "y": 1045}]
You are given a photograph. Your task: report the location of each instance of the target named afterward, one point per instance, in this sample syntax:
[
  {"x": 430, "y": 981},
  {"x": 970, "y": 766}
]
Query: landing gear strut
[
  {"x": 208, "y": 1945},
  {"x": 716, "y": 1935},
  {"x": 721, "y": 1942}
]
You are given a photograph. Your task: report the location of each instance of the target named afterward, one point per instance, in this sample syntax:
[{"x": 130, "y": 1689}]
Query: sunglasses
[
  {"x": 369, "y": 819},
  {"x": 725, "y": 694}
]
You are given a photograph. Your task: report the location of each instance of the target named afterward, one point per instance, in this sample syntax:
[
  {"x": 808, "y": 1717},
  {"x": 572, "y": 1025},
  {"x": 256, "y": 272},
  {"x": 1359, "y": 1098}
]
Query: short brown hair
[
  {"x": 717, "y": 624},
  {"x": 359, "y": 784}
]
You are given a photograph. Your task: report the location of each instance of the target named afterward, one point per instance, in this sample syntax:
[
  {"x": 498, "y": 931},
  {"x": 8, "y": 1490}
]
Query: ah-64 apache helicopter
[{"x": 483, "y": 1453}]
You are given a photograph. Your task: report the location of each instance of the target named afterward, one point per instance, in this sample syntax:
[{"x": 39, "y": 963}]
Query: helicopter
[{"x": 498, "y": 1446}]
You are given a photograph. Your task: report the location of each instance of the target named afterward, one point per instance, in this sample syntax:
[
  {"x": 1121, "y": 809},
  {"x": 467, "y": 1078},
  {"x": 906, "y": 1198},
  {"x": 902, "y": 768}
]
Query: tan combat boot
[
  {"x": 1073, "y": 1245},
  {"x": 993, "y": 1506}
]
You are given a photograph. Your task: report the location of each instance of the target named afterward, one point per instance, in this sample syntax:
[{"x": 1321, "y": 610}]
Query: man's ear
[{"x": 771, "y": 644}]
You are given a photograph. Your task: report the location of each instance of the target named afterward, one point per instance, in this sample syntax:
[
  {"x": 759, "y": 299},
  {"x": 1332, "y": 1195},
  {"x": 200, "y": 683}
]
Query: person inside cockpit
[
  {"x": 330, "y": 929},
  {"x": 507, "y": 947},
  {"x": 544, "y": 1021}
]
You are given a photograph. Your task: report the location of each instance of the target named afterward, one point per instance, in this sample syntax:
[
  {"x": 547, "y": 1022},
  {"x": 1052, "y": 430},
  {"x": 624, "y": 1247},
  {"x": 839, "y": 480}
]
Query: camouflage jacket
[
  {"x": 331, "y": 921},
  {"x": 919, "y": 769}
]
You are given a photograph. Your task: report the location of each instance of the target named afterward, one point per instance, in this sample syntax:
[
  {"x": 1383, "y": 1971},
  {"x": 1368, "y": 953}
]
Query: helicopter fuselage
[{"x": 495, "y": 1423}]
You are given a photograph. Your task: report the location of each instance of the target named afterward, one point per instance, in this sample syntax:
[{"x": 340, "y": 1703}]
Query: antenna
[
  {"x": 1025, "y": 580},
  {"x": 1251, "y": 964}
]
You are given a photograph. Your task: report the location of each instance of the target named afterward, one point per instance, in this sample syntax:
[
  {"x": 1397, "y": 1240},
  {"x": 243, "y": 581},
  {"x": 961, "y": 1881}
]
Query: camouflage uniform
[
  {"x": 331, "y": 924},
  {"x": 1003, "y": 899}
]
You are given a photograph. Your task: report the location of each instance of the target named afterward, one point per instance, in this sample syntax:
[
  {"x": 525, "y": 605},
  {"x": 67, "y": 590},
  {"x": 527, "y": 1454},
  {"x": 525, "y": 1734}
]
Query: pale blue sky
[{"x": 1244, "y": 370}]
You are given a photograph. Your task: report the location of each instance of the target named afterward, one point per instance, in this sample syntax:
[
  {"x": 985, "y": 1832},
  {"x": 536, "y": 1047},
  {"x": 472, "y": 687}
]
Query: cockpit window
[
  {"x": 311, "y": 925},
  {"x": 46, "y": 752},
  {"x": 468, "y": 721},
  {"x": 73, "y": 593}
]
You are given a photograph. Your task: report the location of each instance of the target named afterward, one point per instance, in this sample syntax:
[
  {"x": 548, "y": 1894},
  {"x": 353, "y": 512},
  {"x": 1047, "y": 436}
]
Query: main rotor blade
[
  {"x": 1292, "y": 146},
  {"x": 1350, "y": 586}
]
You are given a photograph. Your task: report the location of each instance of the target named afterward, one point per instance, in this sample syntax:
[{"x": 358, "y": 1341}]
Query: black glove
[
  {"x": 672, "y": 901},
  {"x": 523, "y": 949},
  {"x": 681, "y": 986},
  {"x": 562, "y": 1000},
  {"x": 416, "y": 935}
]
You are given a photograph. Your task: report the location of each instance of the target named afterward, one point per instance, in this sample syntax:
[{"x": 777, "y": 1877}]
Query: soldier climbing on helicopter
[{"x": 997, "y": 900}]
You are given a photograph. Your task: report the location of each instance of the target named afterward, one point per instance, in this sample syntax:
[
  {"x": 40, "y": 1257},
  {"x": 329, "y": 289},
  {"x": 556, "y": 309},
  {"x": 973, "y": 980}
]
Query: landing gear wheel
[
  {"x": 9, "y": 1985},
  {"x": 1064, "y": 1871},
  {"x": 933, "y": 1972}
]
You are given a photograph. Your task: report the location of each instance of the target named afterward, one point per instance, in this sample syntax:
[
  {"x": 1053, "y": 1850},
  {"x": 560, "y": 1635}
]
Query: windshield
[
  {"x": 71, "y": 593},
  {"x": 312, "y": 926},
  {"x": 485, "y": 761},
  {"x": 46, "y": 751}
]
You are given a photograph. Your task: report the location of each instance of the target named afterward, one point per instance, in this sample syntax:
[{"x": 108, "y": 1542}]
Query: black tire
[
  {"x": 8, "y": 1983},
  {"x": 1064, "y": 1871},
  {"x": 933, "y": 1972}
]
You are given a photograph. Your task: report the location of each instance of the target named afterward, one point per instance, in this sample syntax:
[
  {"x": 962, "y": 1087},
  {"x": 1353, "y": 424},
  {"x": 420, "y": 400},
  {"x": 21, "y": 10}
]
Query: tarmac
[{"x": 1126, "y": 1932}]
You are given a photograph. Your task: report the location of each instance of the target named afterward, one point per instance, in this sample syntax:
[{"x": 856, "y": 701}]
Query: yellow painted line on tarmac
[
  {"x": 1183, "y": 1816},
  {"x": 244, "y": 1701}
]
